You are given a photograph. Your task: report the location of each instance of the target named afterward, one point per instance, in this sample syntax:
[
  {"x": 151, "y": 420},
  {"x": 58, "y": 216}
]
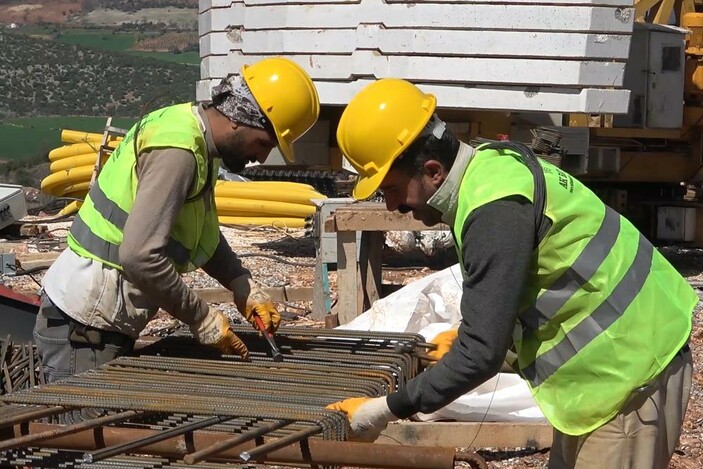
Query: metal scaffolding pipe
[{"x": 310, "y": 452}]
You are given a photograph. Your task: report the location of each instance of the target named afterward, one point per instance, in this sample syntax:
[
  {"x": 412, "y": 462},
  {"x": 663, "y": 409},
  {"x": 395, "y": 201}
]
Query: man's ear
[{"x": 435, "y": 171}]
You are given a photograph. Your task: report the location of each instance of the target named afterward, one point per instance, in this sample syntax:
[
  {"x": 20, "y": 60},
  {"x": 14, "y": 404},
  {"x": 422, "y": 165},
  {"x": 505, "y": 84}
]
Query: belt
[
  {"x": 685, "y": 349},
  {"x": 80, "y": 333},
  {"x": 682, "y": 351}
]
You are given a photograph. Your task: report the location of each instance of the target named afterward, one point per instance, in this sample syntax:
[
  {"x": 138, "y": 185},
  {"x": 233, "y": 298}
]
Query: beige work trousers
[{"x": 642, "y": 435}]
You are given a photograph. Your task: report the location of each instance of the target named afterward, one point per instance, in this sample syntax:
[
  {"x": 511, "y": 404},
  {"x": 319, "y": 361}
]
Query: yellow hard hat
[
  {"x": 378, "y": 125},
  {"x": 287, "y": 96}
]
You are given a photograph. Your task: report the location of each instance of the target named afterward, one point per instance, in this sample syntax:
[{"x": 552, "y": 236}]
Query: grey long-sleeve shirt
[
  {"x": 165, "y": 179},
  {"x": 497, "y": 246},
  {"x": 99, "y": 296}
]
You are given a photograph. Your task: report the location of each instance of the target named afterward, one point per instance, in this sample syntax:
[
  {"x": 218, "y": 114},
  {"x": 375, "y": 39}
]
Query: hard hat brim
[
  {"x": 286, "y": 149},
  {"x": 366, "y": 187}
]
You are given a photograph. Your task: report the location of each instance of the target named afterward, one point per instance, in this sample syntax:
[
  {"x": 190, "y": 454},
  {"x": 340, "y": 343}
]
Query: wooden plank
[
  {"x": 370, "y": 216},
  {"x": 619, "y": 132},
  {"x": 347, "y": 277},
  {"x": 437, "y": 15},
  {"x": 280, "y": 294},
  {"x": 419, "y": 41},
  {"x": 370, "y": 261},
  {"x": 468, "y": 434},
  {"x": 455, "y": 70}
]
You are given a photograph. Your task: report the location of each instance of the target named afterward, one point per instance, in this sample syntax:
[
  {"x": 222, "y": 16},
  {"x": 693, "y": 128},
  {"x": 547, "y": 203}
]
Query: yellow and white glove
[
  {"x": 250, "y": 299},
  {"x": 368, "y": 416},
  {"x": 214, "y": 330},
  {"x": 443, "y": 341}
]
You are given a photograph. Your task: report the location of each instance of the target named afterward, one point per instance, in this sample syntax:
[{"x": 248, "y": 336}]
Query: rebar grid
[{"x": 175, "y": 396}]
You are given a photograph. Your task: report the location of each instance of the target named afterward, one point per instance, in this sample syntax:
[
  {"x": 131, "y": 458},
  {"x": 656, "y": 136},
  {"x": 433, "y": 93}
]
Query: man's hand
[
  {"x": 443, "y": 341},
  {"x": 367, "y": 416},
  {"x": 214, "y": 330},
  {"x": 250, "y": 299}
]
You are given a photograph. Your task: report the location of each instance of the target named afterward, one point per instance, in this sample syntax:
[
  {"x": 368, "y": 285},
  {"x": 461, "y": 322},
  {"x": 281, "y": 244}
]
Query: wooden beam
[
  {"x": 370, "y": 216},
  {"x": 280, "y": 294},
  {"x": 347, "y": 277},
  {"x": 616, "y": 132},
  {"x": 468, "y": 434}
]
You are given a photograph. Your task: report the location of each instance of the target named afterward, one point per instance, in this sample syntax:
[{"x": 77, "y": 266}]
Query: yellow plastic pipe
[
  {"x": 78, "y": 136},
  {"x": 245, "y": 190},
  {"x": 87, "y": 159},
  {"x": 72, "y": 176},
  {"x": 278, "y": 222},
  {"x": 242, "y": 207},
  {"x": 298, "y": 187},
  {"x": 70, "y": 208},
  {"x": 74, "y": 149}
]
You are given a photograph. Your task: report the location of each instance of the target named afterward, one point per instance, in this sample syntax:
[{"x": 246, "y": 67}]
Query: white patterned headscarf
[{"x": 233, "y": 98}]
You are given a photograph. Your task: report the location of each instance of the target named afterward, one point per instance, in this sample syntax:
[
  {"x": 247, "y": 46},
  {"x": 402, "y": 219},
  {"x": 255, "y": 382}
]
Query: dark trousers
[{"x": 66, "y": 347}]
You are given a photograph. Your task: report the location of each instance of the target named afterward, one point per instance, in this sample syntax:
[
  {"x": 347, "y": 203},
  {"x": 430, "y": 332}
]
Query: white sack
[{"x": 429, "y": 306}]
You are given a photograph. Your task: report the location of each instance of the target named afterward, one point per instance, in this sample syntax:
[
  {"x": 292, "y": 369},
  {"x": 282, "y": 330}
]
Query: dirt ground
[
  {"x": 38, "y": 11},
  {"x": 292, "y": 264},
  {"x": 25, "y": 12}
]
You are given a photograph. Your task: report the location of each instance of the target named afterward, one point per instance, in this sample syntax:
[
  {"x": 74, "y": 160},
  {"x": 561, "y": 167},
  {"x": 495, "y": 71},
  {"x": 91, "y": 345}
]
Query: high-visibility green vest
[
  {"x": 98, "y": 228},
  {"x": 604, "y": 312}
]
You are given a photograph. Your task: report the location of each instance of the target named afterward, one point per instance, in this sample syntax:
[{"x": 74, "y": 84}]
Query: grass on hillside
[
  {"x": 109, "y": 40},
  {"x": 30, "y": 139}
]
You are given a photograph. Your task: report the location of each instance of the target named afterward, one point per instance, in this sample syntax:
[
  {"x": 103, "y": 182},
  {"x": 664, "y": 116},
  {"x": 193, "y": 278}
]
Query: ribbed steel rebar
[
  {"x": 313, "y": 452},
  {"x": 164, "y": 435},
  {"x": 203, "y": 454},
  {"x": 283, "y": 401}
]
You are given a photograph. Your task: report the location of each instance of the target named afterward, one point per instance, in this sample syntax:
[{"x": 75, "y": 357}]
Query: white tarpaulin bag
[{"x": 432, "y": 305}]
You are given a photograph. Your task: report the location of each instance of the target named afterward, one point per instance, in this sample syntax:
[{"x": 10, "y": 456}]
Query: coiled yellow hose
[{"x": 255, "y": 203}]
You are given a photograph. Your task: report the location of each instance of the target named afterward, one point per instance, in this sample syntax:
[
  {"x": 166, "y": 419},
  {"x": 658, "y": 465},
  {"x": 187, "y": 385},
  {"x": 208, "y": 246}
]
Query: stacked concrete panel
[{"x": 517, "y": 55}]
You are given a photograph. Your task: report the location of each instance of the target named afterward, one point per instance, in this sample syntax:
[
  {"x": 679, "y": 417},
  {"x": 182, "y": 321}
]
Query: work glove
[
  {"x": 368, "y": 416},
  {"x": 251, "y": 300},
  {"x": 443, "y": 341},
  {"x": 214, "y": 330}
]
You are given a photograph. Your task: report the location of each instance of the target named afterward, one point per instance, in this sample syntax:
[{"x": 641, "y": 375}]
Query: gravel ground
[{"x": 292, "y": 265}]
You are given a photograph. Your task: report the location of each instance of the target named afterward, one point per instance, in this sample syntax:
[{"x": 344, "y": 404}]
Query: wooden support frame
[
  {"x": 469, "y": 434},
  {"x": 359, "y": 281}
]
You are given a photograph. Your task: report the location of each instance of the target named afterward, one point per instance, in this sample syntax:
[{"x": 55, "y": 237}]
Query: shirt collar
[
  {"x": 446, "y": 198},
  {"x": 204, "y": 123}
]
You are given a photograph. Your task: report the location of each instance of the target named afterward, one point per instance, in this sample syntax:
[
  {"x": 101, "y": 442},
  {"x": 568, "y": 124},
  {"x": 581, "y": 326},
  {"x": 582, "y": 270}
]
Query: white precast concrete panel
[
  {"x": 441, "y": 69},
  {"x": 507, "y": 17},
  {"x": 417, "y": 41},
  {"x": 543, "y": 99},
  {"x": 521, "y": 55}
]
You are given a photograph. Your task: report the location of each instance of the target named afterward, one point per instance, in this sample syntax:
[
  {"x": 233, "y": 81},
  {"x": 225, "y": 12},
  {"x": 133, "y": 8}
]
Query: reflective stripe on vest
[
  {"x": 599, "y": 320},
  {"x": 587, "y": 263},
  {"x": 111, "y": 212}
]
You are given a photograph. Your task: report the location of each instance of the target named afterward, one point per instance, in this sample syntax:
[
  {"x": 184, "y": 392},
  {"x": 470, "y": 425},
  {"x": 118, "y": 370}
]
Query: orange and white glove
[
  {"x": 368, "y": 416},
  {"x": 250, "y": 298},
  {"x": 443, "y": 341},
  {"x": 214, "y": 330}
]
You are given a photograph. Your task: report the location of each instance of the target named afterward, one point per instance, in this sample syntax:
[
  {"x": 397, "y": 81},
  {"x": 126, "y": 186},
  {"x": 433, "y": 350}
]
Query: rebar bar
[
  {"x": 204, "y": 453},
  {"x": 34, "y": 438},
  {"x": 165, "y": 435},
  {"x": 261, "y": 451}
]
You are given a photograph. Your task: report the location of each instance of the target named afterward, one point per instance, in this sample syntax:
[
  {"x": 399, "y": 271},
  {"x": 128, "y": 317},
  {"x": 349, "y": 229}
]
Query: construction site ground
[{"x": 289, "y": 261}]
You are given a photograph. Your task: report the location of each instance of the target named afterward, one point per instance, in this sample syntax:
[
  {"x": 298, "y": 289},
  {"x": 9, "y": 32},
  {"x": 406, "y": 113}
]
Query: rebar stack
[
  {"x": 19, "y": 366},
  {"x": 211, "y": 410}
]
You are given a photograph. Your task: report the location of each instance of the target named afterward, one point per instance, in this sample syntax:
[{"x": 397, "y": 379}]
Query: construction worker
[
  {"x": 151, "y": 216},
  {"x": 598, "y": 319}
]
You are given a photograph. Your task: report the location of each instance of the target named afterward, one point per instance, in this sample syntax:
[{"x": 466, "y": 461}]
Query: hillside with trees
[{"x": 44, "y": 78}]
